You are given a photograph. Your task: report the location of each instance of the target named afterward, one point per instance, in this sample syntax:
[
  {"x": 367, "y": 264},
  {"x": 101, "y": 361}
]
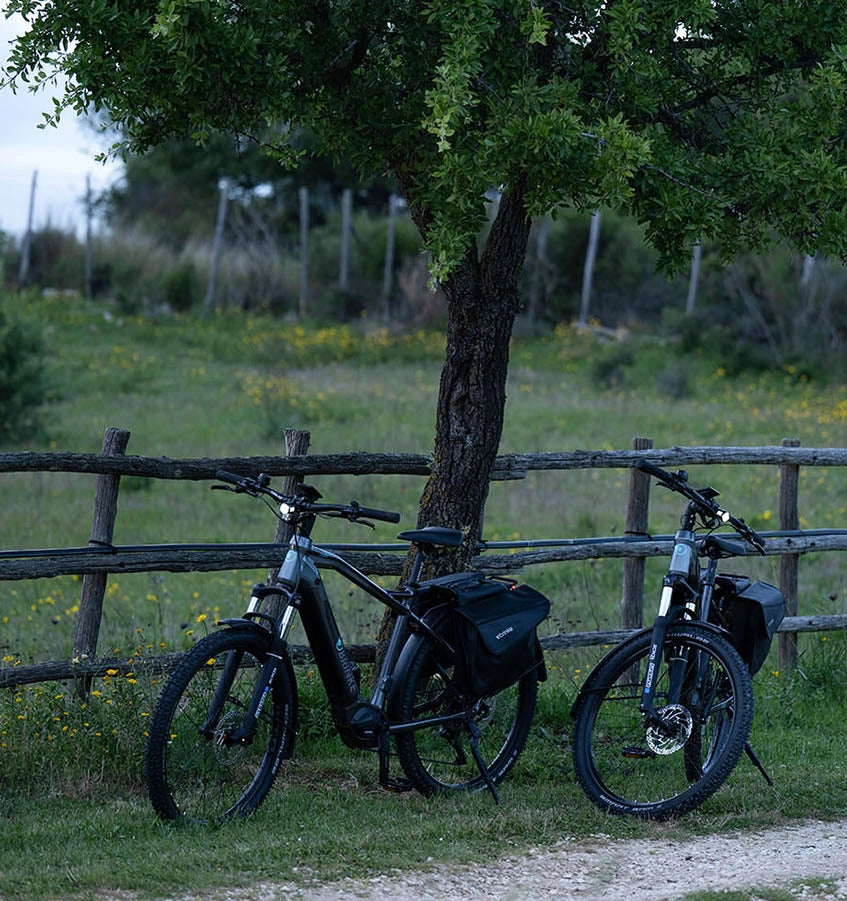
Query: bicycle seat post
[
  {"x": 427, "y": 541},
  {"x": 417, "y": 566}
]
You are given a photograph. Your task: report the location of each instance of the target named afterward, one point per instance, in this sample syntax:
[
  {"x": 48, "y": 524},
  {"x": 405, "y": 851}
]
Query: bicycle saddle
[{"x": 433, "y": 535}]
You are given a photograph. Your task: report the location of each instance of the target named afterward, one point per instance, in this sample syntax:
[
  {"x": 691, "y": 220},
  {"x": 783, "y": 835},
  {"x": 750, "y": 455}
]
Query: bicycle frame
[
  {"x": 360, "y": 722},
  {"x": 229, "y": 712}
]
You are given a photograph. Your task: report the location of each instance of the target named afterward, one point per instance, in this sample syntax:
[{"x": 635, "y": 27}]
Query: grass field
[{"x": 75, "y": 819}]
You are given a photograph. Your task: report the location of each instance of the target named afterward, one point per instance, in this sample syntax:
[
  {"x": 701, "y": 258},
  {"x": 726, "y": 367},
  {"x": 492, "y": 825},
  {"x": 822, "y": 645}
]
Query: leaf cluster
[
  {"x": 23, "y": 377},
  {"x": 719, "y": 120}
]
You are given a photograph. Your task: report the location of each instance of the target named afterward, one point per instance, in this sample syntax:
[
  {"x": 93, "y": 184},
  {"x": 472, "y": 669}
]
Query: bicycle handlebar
[
  {"x": 678, "y": 482},
  {"x": 301, "y": 503}
]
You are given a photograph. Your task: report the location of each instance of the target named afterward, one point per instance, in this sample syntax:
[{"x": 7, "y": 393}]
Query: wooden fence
[{"x": 101, "y": 557}]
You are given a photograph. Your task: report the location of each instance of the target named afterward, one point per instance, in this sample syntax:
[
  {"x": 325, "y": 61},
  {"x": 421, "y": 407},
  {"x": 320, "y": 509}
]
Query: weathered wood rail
[{"x": 102, "y": 558}]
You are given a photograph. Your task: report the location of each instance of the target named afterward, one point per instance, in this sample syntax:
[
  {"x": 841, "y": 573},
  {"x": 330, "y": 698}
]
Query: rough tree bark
[{"x": 482, "y": 301}]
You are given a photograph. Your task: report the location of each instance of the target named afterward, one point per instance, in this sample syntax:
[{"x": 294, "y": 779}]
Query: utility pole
[
  {"x": 346, "y": 228},
  {"x": 88, "y": 214},
  {"x": 693, "y": 278},
  {"x": 304, "y": 250},
  {"x": 23, "y": 274},
  {"x": 588, "y": 269},
  {"x": 388, "y": 267},
  {"x": 209, "y": 300}
]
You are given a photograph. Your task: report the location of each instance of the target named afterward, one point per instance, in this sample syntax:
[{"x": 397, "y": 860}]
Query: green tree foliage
[
  {"x": 712, "y": 120},
  {"x": 23, "y": 383}
]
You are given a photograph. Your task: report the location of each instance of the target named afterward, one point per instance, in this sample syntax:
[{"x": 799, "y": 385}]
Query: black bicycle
[
  {"x": 663, "y": 719},
  {"x": 225, "y": 723}
]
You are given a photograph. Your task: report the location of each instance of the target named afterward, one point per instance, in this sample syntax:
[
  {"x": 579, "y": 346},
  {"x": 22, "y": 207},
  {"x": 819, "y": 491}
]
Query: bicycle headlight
[{"x": 287, "y": 511}]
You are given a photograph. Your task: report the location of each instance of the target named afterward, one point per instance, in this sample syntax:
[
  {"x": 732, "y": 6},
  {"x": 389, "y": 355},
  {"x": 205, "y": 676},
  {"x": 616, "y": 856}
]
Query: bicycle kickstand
[
  {"x": 757, "y": 763},
  {"x": 384, "y": 750},
  {"x": 483, "y": 769}
]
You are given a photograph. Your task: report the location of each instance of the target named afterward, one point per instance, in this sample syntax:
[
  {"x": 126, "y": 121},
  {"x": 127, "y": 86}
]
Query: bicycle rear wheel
[
  {"x": 439, "y": 758},
  {"x": 193, "y": 769},
  {"x": 704, "y": 698}
]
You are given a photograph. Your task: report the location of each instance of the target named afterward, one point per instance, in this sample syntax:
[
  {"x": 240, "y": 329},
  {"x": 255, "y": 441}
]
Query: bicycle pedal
[
  {"x": 397, "y": 786},
  {"x": 637, "y": 753}
]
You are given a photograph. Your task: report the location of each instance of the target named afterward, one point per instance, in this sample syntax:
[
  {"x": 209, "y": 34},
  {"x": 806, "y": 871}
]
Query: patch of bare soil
[{"x": 807, "y": 860}]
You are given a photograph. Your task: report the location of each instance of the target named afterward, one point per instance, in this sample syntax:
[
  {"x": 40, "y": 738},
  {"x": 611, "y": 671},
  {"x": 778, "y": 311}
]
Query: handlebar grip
[
  {"x": 382, "y": 515},
  {"x": 653, "y": 470},
  {"x": 230, "y": 477}
]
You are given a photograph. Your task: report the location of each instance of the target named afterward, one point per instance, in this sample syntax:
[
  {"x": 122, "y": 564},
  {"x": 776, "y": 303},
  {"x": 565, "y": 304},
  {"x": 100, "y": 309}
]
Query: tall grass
[
  {"x": 75, "y": 818},
  {"x": 230, "y": 384}
]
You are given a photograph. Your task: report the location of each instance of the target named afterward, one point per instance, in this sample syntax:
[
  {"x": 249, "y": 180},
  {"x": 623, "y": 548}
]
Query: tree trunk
[{"x": 482, "y": 302}]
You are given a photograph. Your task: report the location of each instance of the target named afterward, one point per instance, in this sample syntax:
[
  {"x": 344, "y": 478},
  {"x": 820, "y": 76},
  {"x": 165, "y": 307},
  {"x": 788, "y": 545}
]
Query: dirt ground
[{"x": 806, "y": 860}]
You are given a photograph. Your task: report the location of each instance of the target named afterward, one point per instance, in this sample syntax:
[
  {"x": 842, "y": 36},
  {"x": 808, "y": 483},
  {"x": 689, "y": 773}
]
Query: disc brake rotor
[
  {"x": 227, "y": 754},
  {"x": 675, "y": 730}
]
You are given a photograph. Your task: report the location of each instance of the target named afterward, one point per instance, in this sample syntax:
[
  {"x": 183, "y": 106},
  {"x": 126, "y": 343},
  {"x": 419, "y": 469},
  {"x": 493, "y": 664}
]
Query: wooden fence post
[
  {"x": 87, "y": 627},
  {"x": 296, "y": 445},
  {"x": 638, "y": 505},
  {"x": 789, "y": 519}
]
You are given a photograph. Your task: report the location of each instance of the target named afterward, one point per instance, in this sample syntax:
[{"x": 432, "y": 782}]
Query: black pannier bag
[
  {"x": 492, "y": 625},
  {"x": 752, "y": 613}
]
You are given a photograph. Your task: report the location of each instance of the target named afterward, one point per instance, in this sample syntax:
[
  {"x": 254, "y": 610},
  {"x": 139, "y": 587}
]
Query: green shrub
[
  {"x": 181, "y": 287},
  {"x": 609, "y": 366},
  {"x": 23, "y": 382}
]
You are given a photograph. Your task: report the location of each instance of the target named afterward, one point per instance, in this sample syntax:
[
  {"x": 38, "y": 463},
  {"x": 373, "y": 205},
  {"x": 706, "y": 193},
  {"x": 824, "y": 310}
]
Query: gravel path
[{"x": 807, "y": 860}]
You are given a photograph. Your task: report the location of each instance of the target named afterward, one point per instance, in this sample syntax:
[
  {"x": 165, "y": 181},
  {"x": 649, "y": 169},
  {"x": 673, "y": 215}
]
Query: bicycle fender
[
  {"x": 241, "y": 622},
  {"x": 588, "y": 685},
  {"x": 401, "y": 669}
]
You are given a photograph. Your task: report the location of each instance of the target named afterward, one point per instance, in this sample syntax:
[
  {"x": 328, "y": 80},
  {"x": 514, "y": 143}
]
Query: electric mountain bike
[
  {"x": 225, "y": 723},
  {"x": 663, "y": 719}
]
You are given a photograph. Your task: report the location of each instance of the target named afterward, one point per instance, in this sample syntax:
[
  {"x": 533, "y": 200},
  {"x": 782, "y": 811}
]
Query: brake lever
[
  {"x": 757, "y": 542},
  {"x": 748, "y": 534}
]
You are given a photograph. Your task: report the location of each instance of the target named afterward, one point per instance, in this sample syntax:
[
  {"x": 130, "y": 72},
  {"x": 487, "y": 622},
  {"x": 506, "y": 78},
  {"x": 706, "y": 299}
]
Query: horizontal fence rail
[
  {"x": 103, "y": 557},
  {"x": 379, "y": 560},
  {"x": 506, "y": 465},
  {"x": 61, "y": 670}
]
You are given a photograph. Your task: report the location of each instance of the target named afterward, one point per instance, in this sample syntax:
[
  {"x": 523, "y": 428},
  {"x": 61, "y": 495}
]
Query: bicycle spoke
[{"x": 665, "y": 765}]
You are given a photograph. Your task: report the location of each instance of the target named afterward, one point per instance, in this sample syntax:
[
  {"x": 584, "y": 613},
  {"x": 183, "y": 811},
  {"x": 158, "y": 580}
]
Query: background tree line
[{"x": 758, "y": 311}]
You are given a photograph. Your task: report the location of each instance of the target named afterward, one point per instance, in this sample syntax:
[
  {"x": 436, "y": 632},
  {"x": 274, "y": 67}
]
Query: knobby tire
[
  {"x": 202, "y": 777},
  {"x": 626, "y": 767},
  {"x": 439, "y": 758}
]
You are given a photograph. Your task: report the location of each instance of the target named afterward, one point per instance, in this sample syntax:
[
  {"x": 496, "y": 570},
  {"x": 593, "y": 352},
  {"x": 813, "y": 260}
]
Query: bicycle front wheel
[
  {"x": 439, "y": 758},
  {"x": 196, "y": 765},
  {"x": 704, "y": 710}
]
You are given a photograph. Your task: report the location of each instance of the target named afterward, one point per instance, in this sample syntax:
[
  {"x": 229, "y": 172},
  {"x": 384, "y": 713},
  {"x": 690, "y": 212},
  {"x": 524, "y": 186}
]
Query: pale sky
[{"x": 62, "y": 158}]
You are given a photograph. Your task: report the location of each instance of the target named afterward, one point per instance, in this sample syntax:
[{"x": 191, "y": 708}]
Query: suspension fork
[
  {"x": 654, "y": 658},
  {"x": 700, "y": 664},
  {"x": 275, "y": 659},
  {"x": 675, "y": 585}
]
